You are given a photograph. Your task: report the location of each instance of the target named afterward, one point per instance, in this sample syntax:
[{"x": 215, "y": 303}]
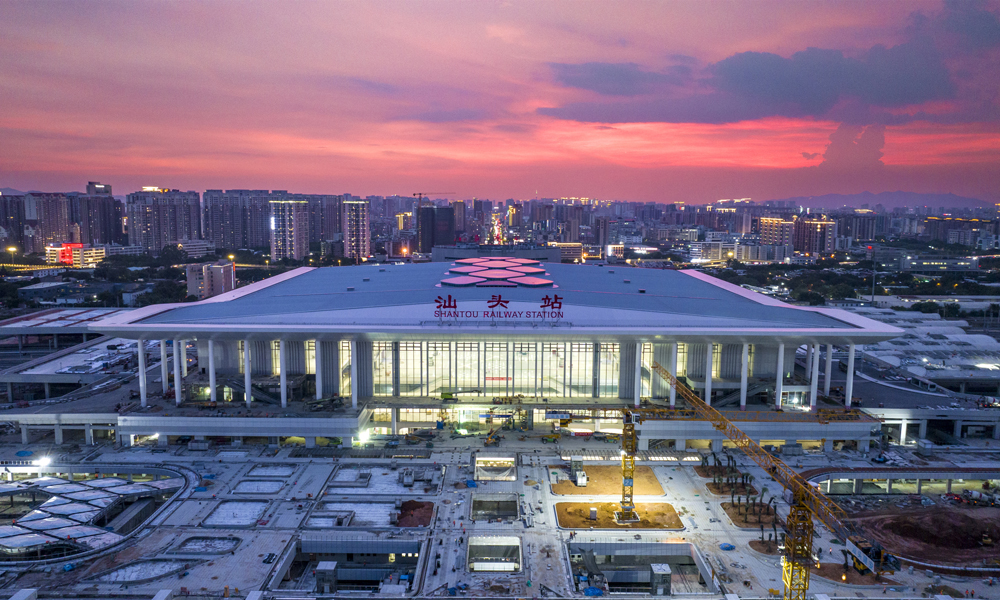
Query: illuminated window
[
  {"x": 345, "y": 368},
  {"x": 382, "y": 368},
  {"x": 275, "y": 358}
]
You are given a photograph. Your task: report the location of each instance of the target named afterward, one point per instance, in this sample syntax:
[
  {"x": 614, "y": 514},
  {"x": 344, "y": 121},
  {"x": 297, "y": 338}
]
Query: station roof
[
  {"x": 56, "y": 320},
  {"x": 425, "y": 297}
]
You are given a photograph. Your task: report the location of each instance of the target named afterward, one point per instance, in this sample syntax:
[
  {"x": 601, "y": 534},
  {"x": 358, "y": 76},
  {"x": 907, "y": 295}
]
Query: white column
[
  {"x": 164, "y": 373},
  {"x": 283, "y": 375},
  {"x": 319, "y": 369},
  {"x": 744, "y": 373},
  {"x": 809, "y": 359},
  {"x": 247, "y": 369},
  {"x": 829, "y": 370},
  {"x": 354, "y": 374},
  {"x": 849, "y": 386},
  {"x": 708, "y": 373},
  {"x": 211, "y": 371},
  {"x": 638, "y": 374},
  {"x": 88, "y": 434},
  {"x": 780, "y": 379},
  {"x": 814, "y": 378},
  {"x": 184, "y": 358},
  {"x": 902, "y": 433},
  {"x": 142, "y": 372},
  {"x": 177, "y": 372}
]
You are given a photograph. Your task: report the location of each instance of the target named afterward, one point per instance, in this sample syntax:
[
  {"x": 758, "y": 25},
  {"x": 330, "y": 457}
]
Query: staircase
[{"x": 255, "y": 393}]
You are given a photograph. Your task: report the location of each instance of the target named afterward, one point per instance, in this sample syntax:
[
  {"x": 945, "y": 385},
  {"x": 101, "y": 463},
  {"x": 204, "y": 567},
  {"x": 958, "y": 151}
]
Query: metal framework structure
[{"x": 807, "y": 502}]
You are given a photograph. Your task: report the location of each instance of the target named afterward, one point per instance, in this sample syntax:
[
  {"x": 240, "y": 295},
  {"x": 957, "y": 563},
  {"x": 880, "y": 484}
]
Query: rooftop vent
[
  {"x": 628, "y": 281},
  {"x": 611, "y": 271},
  {"x": 366, "y": 279},
  {"x": 381, "y": 270},
  {"x": 350, "y": 289},
  {"x": 642, "y": 291}
]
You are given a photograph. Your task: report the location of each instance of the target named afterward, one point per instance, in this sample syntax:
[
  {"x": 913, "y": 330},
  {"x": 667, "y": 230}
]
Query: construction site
[{"x": 293, "y": 469}]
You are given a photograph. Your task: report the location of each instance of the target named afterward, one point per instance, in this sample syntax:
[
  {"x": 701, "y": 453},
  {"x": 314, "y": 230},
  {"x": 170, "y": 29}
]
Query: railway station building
[{"x": 352, "y": 352}]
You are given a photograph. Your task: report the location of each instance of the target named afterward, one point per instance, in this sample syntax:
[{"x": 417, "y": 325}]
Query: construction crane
[{"x": 806, "y": 500}]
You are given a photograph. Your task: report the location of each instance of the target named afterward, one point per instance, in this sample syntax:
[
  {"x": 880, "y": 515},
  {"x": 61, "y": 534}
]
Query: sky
[{"x": 676, "y": 101}]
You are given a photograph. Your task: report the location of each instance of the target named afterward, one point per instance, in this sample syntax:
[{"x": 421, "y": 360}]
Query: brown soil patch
[
  {"x": 944, "y": 534},
  {"x": 654, "y": 515},
  {"x": 753, "y": 520},
  {"x": 607, "y": 480},
  {"x": 770, "y": 548},
  {"x": 415, "y": 514},
  {"x": 530, "y": 482},
  {"x": 943, "y": 590},
  {"x": 725, "y": 489},
  {"x": 835, "y": 572}
]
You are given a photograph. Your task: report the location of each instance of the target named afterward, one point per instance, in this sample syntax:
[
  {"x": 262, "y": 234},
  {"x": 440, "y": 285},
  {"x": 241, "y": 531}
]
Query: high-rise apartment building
[
  {"x": 814, "y": 235},
  {"x": 289, "y": 229},
  {"x": 157, "y": 216},
  {"x": 98, "y": 189},
  {"x": 776, "y": 231},
  {"x": 51, "y": 213},
  {"x": 12, "y": 221},
  {"x": 435, "y": 227},
  {"x": 210, "y": 279},
  {"x": 99, "y": 218},
  {"x": 241, "y": 218},
  {"x": 357, "y": 240}
]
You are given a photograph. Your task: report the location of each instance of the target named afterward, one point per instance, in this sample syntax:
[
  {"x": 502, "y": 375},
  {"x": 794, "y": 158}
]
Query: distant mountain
[
  {"x": 887, "y": 199},
  {"x": 10, "y": 192}
]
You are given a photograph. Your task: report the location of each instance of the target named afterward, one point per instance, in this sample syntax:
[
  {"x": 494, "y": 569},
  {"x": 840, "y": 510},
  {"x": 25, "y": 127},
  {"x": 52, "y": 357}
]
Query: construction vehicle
[
  {"x": 492, "y": 438},
  {"x": 552, "y": 438},
  {"x": 806, "y": 500}
]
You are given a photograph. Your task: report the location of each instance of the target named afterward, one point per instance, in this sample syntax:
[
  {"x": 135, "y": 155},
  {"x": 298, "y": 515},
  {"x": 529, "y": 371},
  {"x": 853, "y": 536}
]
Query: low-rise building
[
  {"x": 80, "y": 256},
  {"x": 210, "y": 279}
]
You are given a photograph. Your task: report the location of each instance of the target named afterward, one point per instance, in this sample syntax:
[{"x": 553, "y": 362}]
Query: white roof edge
[
  {"x": 735, "y": 289},
  {"x": 255, "y": 287}
]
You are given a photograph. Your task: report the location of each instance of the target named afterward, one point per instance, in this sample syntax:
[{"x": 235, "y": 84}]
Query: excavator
[{"x": 806, "y": 501}]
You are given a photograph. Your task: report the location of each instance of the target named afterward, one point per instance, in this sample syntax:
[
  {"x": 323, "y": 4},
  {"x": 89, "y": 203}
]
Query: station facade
[{"x": 392, "y": 348}]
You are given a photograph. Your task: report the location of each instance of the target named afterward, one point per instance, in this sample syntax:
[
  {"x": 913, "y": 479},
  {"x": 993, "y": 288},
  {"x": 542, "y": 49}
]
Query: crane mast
[{"x": 807, "y": 501}]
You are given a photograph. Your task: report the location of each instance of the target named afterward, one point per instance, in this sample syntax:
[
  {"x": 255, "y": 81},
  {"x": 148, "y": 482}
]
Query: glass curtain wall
[
  {"x": 467, "y": 366},
  {"x": 382, "y": 368},
  {"x": 581, "y": 370},
  {"x": 345, "y": 368},
  {"x": 411, "y": 370},
  {"x": 525, "y": 368},
  {"x": 310, "y": 357},
  {"x": 553, "y": 370},
  {"x": 497, "y": 373},
  {"x": 438, "y": 360},
  {"x": 608, "y": 377}
]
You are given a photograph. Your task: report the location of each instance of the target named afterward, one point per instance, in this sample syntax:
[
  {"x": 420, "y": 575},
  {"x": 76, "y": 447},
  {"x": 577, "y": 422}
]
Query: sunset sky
[{"x": 653, "y": 101}]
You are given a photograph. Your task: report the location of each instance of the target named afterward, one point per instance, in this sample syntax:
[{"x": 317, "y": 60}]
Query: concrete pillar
[
  {"x": 888, "y": 485},
  {"x": 71, "y": 476},
  {"x": 141, "y": 353},
  {"x": 672, "y": 366},
  {"x": 849, "y": 385},
  {"x": 395, "y": 420},
  {"x": 310, "y": 442},
  {"x": 643, "y": 443},
  {"x": 55, "y": 340},
  {"x": 319, "y": 369},
  {"x": 354, "y": 374},
  {"x": 827, "y": 445},
  {"x": 902, "y": 433},
  {"x": 177, "y": 372},
  {"x": 829, "y": 485},
  {"x": 212, "y": 394},
  {"x": 163, "y": 440},
  {"x": 828, "y": 373},
  {"x": 20, "y": 344},
  {"x": 48, "y": 390},
  {"x": 809, "y": 359},
  {"x": 859, "y": 485},
  {"x": 283, "y": 373},
  {"x": 920, "y": 485},
  {"x": 680, "y": 444},
  {"x": 957, "y": 432},
  {"x": 24, "y": 435},
  {"x": 716, "y": 445},
  {"x": 780, "y": 379},
  {"x": 996, "y": 431},
  {"x": 184, "y": 359},
  {"x": 638, "y": 374},
  {"x": 10, "y": 392},
  {"x": 88, "y": 434},
  {"x": 246, "y": 371},
  {"x": 163, "y": 367},
  {"x": 58, "y": 435},
  {"x": 814, "y": 378},
  {"x": 709, "y": 367},
  {"x": 864, "y": 445},
  {"x": 922, "y": 430},
  {"x": 744, "y": 372},
  {"x": 948, "y": 486}
]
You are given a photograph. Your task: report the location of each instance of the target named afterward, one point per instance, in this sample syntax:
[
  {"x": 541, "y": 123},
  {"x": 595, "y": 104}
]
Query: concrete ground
[{"x": 543, "y": 545}]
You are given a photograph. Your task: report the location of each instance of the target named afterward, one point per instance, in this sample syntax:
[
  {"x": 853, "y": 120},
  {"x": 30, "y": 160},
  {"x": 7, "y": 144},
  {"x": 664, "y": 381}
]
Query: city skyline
[{"x": 668, "y": 102}]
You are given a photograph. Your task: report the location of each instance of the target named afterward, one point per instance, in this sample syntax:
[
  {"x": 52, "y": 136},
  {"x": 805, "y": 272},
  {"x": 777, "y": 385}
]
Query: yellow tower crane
[{"x": 807, "y": 501}]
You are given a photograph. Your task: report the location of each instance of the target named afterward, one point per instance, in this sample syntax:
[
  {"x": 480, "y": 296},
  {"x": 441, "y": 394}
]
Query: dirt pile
[
  {"x": 943, "y": 534},
  {"x": 415, "y": 514},
  {"x": 607, "y": 480},
  {"x": 576, "y": 515}
]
